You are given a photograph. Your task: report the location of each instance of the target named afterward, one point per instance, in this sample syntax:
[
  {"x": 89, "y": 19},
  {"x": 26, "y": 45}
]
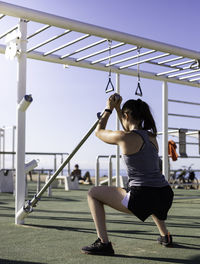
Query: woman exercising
[{"x": 147, "y": 192}]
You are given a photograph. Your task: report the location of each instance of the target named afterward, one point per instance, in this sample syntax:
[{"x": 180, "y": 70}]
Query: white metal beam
[
  {"x": 84, "y": 48},
  {"x": 170, "y": 60},
  {"x": 131, "y": 58},
  {"x": 67, "y": 44},
  {"x": 8, "y": 31},
  {"x": 49, "y": 40},
  {"x": 114, "y": 55},
  {"x": 2, "y": 16},
  {"x": 100, "y": 51},
  {"x": 58, "y": 21},
  {"x": 101, "y": 67},
  {"x": 145, "y": 60},
  {"x": 20, "y": 151},
  {"x": 39, "y": 31}
]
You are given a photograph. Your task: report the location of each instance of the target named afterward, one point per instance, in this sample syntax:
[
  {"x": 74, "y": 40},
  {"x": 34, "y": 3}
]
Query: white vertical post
[
  {"x": 20, "y": 148},
  {"x": 117, "y": 128},
  {"x": 165, "y": 129},
  {"x": 110, "y": 170},
  {"x": 0, "y": 148},
  {"x": 97, "y": 172},
  {"x": 4, "y": 134},
  {"x": 55, "y": 162},
  {"x": 13, "y": 147}
]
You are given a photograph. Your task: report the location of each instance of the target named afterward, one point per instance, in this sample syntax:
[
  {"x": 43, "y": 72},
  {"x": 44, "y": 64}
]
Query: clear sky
[{"x": 66, "y": 100}]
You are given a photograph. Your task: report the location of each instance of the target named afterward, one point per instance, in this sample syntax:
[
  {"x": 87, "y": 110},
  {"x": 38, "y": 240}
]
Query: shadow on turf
[
  {"x": 192, "y": 260},
  {"x": 7, "y": 261}
]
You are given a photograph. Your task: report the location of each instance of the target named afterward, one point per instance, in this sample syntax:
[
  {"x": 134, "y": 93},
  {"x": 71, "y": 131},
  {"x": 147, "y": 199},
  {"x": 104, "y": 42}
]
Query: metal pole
[
  {"x": 61, "y": 161},
  {"x": 49, "y": 193},
  {"x": 3, "y": 147},
  {"x": 55, "y": 162},
  {"x": 110, "y": 170},
  {"x": 28, "y": 207},
  {"x": 13, "y": 146},
  {"x": 165, "y": 129},
  {"x": 38, "y": 182},
  {"x": 68, "y": 168},
  {"x": 20, "y": 150},
  {"x": 97, "y": 172},
  {"x": 57, "y": 21},
  {"x": 0, "y": 147},
  {"x": 117, "y": 128}
]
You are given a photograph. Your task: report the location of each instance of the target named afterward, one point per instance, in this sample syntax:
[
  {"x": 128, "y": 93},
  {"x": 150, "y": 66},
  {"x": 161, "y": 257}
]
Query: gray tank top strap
[{"x": 144, "y": 135}]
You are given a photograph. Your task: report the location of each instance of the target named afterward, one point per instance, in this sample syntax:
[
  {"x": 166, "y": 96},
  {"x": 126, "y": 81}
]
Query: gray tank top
[{"x": 143, "y": 167}]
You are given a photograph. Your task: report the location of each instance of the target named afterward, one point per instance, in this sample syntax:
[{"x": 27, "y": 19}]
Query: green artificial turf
[{"x": 62, "y": 224}]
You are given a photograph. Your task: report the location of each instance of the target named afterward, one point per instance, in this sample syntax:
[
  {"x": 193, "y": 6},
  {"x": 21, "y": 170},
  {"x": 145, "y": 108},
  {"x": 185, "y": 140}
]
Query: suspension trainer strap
[
  {"x": 138, "y": 89},
  {"x": 195, "y": 65},
  {"x": 109, "y": 86}
]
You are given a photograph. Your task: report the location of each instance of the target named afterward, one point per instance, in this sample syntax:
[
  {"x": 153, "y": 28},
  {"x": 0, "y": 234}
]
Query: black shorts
[{"x": 145, "y": 201}]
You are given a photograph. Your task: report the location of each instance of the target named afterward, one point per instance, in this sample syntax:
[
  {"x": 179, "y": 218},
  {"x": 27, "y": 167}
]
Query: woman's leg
[
  {"x": 97, "y": 197},
  {"x": 161, "y": 226}
]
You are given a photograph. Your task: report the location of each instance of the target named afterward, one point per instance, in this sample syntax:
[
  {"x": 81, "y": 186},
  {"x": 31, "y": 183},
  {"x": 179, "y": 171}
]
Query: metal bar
[
  {"x": 195, "y": 79},
  {"x": 191, "y": 129},
  {"x": 182, "y": 63},
  {"x": 165, "y": 129},
  {"x": 39, "y": 31},
  {"x": 4, "y": 147},
  {"x": 45, "y": 18},
  {"x": 35, "y": 153},
  {"x": 175, "y": 70},
  {"x": 84, "y": 48},
  {"x": 183, "y": 73},
  {"x": 131, "y": 58},
  {"x": 114, "y": 55},
  {"x": 100, "y": 51},
  {"x": 182, "y": 102},
  {"x": 170, "y": 60},
  {"x": 49, "y": 40},
  {"x": 110, "y": 171},
  {"x": 192, "y": 157},
  {"x": 166, "y": 72},
  {"x": 36, "y": 55},
  {"x": 21, "y": 123},
  {"x": 67, "y": 44},
  {"x": 191, "y": 143},
  {"x": 173, "y": 132},
  {"x": 193, "y": 134},
  {"x": 189, "y": 116},
  {"x": 189, "y": 76},
  {"x": 13, "y": 146},
  {"x": 9, "y": 31},
  {"x": 117, "y": 128},
  {"x": 97, "y": 172},
  {"x": 146, "y": 60},
  {"x": 101, "y": 67},
  {"x": 27, "y": 208},
  {"x": 1, "y": 16}
]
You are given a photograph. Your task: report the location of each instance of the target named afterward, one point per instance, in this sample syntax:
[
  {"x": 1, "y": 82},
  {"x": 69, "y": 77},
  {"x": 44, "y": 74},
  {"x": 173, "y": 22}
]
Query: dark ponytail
[{"x": 140, "y": 111}]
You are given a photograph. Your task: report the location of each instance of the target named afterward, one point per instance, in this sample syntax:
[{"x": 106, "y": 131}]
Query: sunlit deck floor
[{"x": 61, "y": 225}]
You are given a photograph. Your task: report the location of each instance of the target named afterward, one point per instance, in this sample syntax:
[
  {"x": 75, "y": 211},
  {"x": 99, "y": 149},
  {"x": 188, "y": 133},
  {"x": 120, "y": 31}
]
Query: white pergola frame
[{"x": 178, "y": 64}]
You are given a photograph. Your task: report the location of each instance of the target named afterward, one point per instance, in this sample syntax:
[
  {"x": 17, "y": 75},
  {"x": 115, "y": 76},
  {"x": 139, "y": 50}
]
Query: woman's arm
[
  {"x": 108, "y": 136},
  {"x": 118, "y": 109}
]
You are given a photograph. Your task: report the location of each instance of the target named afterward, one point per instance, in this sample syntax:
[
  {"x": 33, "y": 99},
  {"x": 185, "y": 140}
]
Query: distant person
[
  {"x": 30, "y": 175},
  {"x": 76, "y": 173},
  {"x": 147, "y": 193}
]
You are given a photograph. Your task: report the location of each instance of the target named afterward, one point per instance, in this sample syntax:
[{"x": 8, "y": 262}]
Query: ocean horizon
[{"x": 104, "y": 172}]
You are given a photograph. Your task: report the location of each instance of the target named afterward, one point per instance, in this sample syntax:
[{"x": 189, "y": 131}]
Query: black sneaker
[
  {"x": 165, "y": 240},
  {"x": 99, "y": 248}
]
